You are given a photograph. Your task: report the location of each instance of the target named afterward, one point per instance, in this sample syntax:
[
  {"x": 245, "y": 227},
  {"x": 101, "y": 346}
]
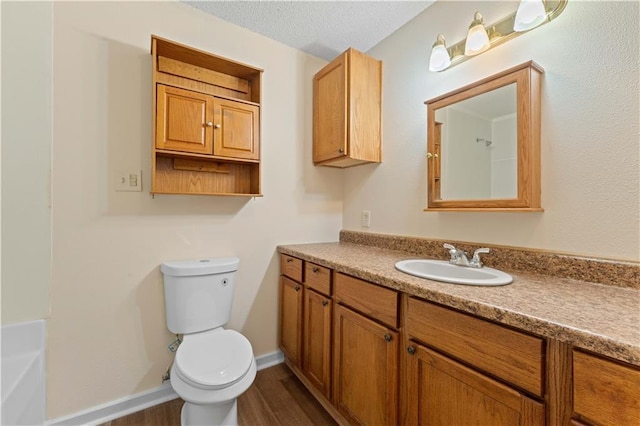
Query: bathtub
[{"x": 23, "y": 374}]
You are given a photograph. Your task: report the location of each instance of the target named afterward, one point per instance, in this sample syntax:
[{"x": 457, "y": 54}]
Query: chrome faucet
[{"x": 461, "y": 258}]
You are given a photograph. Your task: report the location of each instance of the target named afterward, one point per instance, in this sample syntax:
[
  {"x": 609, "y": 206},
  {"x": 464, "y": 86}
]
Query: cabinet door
[
  {"x": 291, "y": 319},
  {"x": 436, "y": 161},
  {"x": 365, "y": 369},
  {"x": 184, "y": 120},
  {"x": 236, "y": 130},
  {"x": 330, "y": 111},
  {"x": 605, "y": 392},
  {"x": 448, "y": 393},
  {"x": 317, "y": 340}
]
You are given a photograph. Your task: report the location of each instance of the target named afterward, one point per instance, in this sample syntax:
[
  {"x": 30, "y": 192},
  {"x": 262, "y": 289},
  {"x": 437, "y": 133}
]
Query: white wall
[
  {"x": 466, "y": 164},
  {"x": 107, "y": 333},
  {"x": 504, "y": 157},
  {"x": 590, "y": 114},
  {"x": 26, "y": 160}
]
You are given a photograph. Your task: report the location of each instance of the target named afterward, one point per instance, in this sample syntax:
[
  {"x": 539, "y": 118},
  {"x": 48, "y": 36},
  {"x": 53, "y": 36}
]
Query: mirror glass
[
  {"x": 483, "y": 144},
  {"x": 478, "y": 146}
]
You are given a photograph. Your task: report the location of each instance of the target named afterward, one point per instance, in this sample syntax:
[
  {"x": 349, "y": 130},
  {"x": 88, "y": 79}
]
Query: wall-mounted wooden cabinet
[
  {"x": 347, "y": 111},
  {"x": 206, "y": 123}
]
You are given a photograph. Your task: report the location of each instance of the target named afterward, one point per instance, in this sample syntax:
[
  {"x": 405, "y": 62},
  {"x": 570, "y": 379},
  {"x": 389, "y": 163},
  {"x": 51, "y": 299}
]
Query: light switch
[{"x": 129, "y": 181}]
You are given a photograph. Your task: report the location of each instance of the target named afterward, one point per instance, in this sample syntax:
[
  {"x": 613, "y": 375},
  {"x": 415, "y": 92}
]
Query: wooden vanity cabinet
[
  {"x": 291, "y": 309},
  {"x": 445, "y": 392},
  {"x": 306, "y": 319},
  {"x": 206, "y": 123},
  {"x": 347, "y": 111},
  {"x": 316, "y": 363},
  {"x": 466, "y": 370},
  {"x": 342, "y": 337},
  {"x": 366, "y": 345},
  {"x": 318, "y": 316},
  {"x": 605, "y": 392}
]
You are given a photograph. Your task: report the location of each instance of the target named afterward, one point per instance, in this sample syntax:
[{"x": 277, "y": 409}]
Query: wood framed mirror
[{"x": 483, "y": 144}]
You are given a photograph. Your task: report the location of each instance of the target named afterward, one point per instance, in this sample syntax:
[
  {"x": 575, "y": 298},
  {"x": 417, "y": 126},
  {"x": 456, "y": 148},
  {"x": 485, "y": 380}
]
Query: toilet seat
[{"x": 214, "y": 359}]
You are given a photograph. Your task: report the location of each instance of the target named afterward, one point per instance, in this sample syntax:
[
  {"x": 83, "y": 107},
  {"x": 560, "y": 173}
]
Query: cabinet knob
[
  {"x": 341, "y": 150},
  {"x": 297, "y": 288},
  {"x": 411, "y": 350},
  {"x": 325, "y": 303},
  {"x": 315, "y": 269},
  {"x": 289, "y": 260},
  {"x": 217, "y": 126},
  {"x": 429, "y": 155},
  {"x": 387, "y": 337},
  {"x": 209, "y": 124}
]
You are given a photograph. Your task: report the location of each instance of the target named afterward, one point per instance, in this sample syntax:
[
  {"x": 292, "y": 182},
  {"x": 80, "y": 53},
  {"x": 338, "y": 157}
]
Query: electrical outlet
[
  {"x": 365, "y": 218},
  {"x": 129, "y": 181}
]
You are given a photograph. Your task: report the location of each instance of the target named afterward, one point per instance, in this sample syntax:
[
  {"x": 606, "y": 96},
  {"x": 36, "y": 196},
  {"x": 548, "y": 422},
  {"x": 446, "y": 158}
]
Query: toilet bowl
[
  {"x": 213, "y": 366},
  {"x": 210, "y": 371}
]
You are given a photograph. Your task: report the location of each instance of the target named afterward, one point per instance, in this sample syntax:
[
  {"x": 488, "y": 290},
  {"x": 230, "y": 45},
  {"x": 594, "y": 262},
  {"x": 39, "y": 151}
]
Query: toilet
[{"x": 212, "y": 366}]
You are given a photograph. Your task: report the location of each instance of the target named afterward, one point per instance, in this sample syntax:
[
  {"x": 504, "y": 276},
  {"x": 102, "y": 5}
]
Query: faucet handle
[
  {"x": 475, "y": 261},
  {"x": 448, "y": 246},
  {"x": 453, "y": 252}
]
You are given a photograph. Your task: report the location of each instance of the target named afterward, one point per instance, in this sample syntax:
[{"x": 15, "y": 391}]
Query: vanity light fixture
[
  {"x": 477, "y": 37},
  {"x": 480, "y": 38},
  {"x": 530, "y": 14},
  {"x": 439, "y": 59}
]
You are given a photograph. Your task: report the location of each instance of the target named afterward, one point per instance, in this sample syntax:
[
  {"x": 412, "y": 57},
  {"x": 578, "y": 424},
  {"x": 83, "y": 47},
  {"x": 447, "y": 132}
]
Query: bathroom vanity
[{"x": 377, "y": 346}]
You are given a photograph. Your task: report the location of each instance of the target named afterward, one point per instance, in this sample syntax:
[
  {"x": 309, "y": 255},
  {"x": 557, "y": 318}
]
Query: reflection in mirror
[
  {"x": 484, "y": 144},
  {"x": 478, "y": 141}
]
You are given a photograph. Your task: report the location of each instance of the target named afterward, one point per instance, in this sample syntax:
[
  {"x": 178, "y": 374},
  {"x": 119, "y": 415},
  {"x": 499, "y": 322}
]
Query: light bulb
[
  {"x": 530, "y": 14},
  {"x": 477, "y": 37},
  {"x": 439, "y": 59}
]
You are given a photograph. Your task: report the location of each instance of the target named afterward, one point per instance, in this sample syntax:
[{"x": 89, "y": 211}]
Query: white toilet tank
[{"x": 198, "y": 294}]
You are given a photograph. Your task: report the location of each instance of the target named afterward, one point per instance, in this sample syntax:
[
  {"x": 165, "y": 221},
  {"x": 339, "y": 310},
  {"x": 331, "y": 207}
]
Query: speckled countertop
[{"x": 601, "y": 318}]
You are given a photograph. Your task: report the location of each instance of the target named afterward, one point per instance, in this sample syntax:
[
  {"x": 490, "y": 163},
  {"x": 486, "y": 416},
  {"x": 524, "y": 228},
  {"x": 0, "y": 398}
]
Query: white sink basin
[{"x": 442, "y": 270}]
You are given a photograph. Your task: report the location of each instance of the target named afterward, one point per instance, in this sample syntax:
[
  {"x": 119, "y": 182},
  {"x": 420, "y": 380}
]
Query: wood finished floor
[{"x": 276, "y": 397}]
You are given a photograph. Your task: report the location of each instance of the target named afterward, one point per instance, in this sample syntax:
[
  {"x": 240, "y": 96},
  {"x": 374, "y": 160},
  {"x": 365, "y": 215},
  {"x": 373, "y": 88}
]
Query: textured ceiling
[{"x": 320, "y": 28}]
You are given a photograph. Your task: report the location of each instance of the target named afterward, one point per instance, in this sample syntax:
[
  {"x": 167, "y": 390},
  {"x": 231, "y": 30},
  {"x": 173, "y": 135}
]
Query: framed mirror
[{"x": 484, "y": 144}]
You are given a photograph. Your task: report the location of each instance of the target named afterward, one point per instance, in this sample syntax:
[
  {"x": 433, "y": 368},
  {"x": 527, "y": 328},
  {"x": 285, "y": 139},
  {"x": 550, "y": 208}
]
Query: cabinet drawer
[
  {"x": 605, "y": 392},
  {"x": 510, "y": 355},
  {"x": 291, "y": 267},
  {"x": 378, "y": 302},
  {"x": 318, "y": 278}
]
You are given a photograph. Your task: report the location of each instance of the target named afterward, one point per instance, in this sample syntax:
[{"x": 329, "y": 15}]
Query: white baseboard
[
  {"x": 269, "y": 360},
  {"x": 118, "y": 408},
  {"x": 130, "y": 404}
]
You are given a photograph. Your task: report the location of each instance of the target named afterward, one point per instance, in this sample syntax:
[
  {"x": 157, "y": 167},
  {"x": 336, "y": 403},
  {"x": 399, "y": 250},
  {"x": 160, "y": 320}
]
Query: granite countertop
[{"x": 601, "y": 318}]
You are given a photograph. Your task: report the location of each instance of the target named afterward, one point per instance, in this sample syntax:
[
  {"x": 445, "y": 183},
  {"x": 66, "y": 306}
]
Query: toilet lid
[{"x": 216, "y": 359}]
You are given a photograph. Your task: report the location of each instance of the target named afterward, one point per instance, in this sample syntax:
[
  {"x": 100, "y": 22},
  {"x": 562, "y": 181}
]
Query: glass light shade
[
  {"x": 530, "y": 14},
  {"x": 439, "y": 59},
  {"x": 477, "y": 39}
]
